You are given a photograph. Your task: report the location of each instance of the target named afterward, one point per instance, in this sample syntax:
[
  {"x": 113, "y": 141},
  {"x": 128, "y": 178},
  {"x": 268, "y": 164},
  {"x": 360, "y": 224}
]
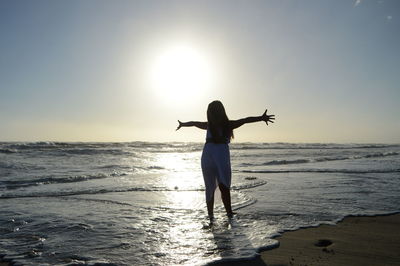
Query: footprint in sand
[{"x": 323, "y": 243}]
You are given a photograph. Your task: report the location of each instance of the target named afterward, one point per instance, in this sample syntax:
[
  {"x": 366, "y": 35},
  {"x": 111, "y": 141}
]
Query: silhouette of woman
[{"x": 215, "y": 159}]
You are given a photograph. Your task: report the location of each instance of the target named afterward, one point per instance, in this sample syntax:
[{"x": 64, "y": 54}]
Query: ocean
[{"x": 142, "y": 203}]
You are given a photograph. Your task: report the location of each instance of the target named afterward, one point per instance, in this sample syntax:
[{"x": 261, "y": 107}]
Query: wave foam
[
  {"x": 344, "y": 171},
  {"x": 324, "y": 159},
  {"x": 111, "y": 190},
  {"x": 14, "y": 184}
]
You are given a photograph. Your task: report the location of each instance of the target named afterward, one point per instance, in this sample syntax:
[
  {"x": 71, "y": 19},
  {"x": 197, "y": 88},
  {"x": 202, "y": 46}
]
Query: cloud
[
  {"x": 389, "y": 17},
  {"x": 358, "y": 2}
]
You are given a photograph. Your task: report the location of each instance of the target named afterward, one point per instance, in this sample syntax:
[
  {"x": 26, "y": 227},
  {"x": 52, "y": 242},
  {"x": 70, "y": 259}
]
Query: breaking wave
[
  {"x": 14, "y": 184},
  {"x": 323, "y": 159},
  {"x": 344, "y": 171}
]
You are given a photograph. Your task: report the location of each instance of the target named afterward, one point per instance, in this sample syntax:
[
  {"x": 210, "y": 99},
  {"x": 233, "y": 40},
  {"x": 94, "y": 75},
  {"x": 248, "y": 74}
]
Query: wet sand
[{"x": 354, "y": 241}]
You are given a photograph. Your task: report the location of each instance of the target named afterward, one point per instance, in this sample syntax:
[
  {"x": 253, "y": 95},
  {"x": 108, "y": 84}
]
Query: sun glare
[{"x": 181, "y": 73}]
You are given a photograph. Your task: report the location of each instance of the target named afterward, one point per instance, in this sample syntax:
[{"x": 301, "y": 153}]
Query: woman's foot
[
  {"x": 211, "y": 218},
  {"x": 230, "y": 214}
]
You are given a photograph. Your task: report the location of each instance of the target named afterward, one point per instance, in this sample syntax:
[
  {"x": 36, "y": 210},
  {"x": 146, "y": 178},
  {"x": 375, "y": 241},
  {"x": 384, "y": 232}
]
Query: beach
[
  {"x": 143, "y": 203},
  {"x": 354, "y": 241}
]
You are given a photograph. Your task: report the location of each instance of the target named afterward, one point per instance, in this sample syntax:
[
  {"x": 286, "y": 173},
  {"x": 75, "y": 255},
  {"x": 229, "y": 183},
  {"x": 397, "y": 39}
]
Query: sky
[{"x": 101, "y": 70}]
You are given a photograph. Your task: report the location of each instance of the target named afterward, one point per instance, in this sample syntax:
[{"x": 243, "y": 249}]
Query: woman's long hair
[{"x": 218, "y": 123}]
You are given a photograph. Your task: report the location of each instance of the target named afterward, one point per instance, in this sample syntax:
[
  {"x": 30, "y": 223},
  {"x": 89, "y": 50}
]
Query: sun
[{"x": 181, "y": 73}]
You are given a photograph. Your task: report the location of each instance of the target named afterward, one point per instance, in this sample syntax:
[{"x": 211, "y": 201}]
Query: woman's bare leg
[
  {"x": 210, "y": 208},
  {"x": 226, "y": 199}
]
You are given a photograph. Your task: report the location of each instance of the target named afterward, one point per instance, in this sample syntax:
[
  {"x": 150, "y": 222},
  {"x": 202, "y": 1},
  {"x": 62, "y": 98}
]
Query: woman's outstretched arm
[
  {"x": 201, "y": 125},
  {"x": 264, "y": 117}
]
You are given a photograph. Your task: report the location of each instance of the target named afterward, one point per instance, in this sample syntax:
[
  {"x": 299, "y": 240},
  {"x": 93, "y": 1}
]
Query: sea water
[{"x": 143, "y": 203}]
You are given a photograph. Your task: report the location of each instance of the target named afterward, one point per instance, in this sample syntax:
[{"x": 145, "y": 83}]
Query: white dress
[{"x": 215, "y": 165}]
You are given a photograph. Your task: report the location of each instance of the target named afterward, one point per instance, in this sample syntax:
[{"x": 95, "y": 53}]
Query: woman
[{"x": 215, "y": 159}]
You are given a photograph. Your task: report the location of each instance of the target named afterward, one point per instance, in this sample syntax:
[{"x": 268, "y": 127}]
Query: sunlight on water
[
  {"x": 184, "y": 236},
  {"x": 185, "y": 200},
  {"x": 183, "y": 172},
  {"x": 186, "y": 241},
  {"x": 174, "y": 162}
]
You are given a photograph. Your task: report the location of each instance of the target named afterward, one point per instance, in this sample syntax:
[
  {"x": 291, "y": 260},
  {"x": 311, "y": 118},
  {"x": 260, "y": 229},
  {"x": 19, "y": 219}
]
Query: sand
[{"x": 354, "y": 241}]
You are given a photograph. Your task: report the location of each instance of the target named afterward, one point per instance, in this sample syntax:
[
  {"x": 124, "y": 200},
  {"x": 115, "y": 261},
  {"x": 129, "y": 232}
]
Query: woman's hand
[
  {"x": 180, "y": 125},
  {"x": 267, "y": 118}
]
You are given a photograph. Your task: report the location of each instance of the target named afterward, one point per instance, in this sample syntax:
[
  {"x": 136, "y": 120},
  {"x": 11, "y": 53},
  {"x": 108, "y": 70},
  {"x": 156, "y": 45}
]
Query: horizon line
[{"x": 199, "y": 142}]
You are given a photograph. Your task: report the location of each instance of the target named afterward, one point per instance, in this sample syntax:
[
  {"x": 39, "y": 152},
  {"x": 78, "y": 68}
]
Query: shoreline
[{"x": 355, "y": 240}]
